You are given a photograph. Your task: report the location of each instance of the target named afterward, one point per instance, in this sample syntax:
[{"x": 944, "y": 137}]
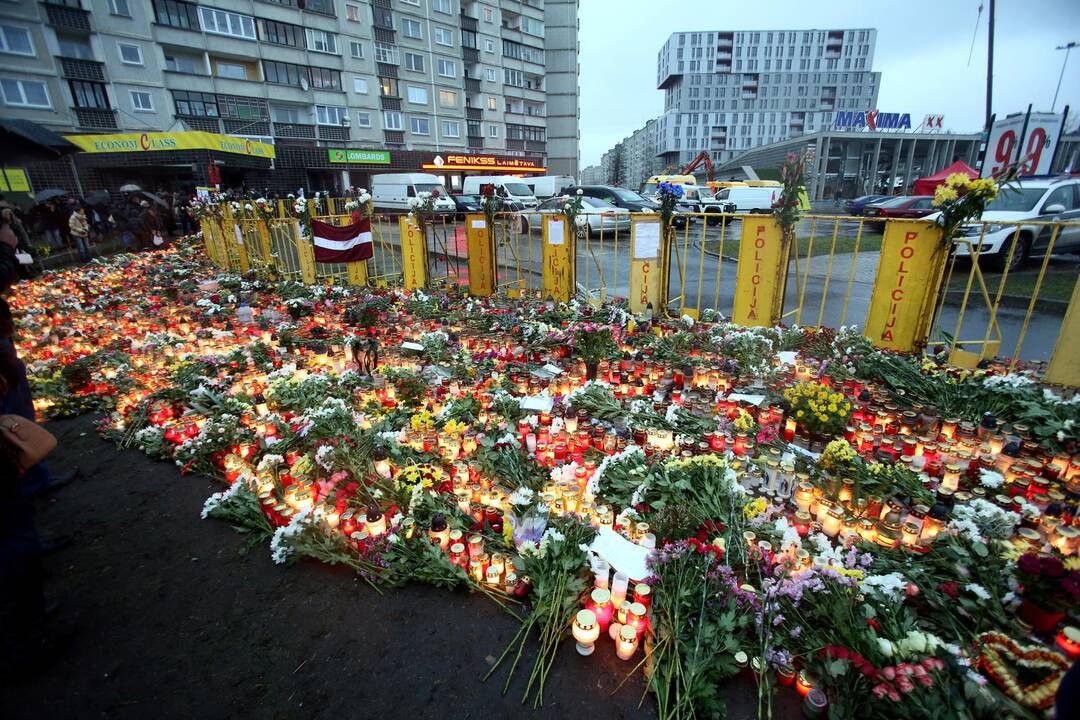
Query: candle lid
[
  {"x": 585, "y": 619},
  {"x": 637, "y": 609},
  {"x": 627, "y": 633},
  {"x": 601, "y": 596}
]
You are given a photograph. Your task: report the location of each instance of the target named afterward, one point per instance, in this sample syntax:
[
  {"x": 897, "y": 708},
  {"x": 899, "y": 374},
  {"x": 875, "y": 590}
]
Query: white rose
[{"x": 885, "y": 647}]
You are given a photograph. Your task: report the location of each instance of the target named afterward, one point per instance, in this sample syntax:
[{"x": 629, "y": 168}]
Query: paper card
[
  {"x": 537, "y": 403},
  {"x": 479, "y": 224},
  {"x": 803, "y": 451},
  {"x": 623, "y": 555},
  {"x": 751, "y": 399},
  {"x": 547, "y": 372},
  {"x": 412, "y": 346},
  {"x": 646, "y": 240},
  {"x": 786, "y": 357},
  {"x": 555, "y": 232},
  {"x": 239, "y": 234},
  {"x": 553, "y": 369}
]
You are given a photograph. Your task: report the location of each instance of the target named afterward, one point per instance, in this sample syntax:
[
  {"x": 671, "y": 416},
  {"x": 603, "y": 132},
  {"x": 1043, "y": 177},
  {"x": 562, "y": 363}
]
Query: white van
[
  {"x": 512, "y": 190},
  {"x": 747, "y": 199},
  {"x": 548, "y": 186},
  {"x": 391, "y": 191}
]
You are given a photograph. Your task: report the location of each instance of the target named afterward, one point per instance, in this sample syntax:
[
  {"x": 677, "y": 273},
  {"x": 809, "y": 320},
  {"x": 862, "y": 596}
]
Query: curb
[{"x": 1018, "y": 301}]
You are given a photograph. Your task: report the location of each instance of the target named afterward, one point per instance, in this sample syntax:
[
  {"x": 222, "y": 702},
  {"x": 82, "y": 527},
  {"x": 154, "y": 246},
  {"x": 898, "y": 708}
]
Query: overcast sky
[{"x": 922, "y": 54}]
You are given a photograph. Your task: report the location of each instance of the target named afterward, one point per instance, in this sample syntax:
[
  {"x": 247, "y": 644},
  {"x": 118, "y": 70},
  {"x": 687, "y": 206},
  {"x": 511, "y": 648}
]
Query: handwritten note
[
  {"x": 646, "y": 241},
  {"x": 555, "y": 232},
  {"x": 479, "y": 224}
]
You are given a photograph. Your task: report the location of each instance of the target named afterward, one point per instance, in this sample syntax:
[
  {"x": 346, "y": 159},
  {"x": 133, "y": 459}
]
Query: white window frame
[
  {"x": 120, "y": 47},
  {"x": 406, "y": 22},
  {"x": 355, "y": 10},
  {"x": 421, "y": 92},
  {"x": 412, "y": 2},
  {"x": 331, "y": 41},
  {"x": 245, "y": 22},
  {"x": 456, "y": 125},
  {"x": 493, "y": 104},
  {"x": 445, "y": 33},
  {"x": 454, "y": 104},
  {"x": 22, "y": 102},
  {"x": 363, "y": 118},
  {"x": 218, "y": 62},
  {"x": 339, "y": 111},
  {"x": 491, "y": 75},
  {"x": 493, "y": 131},
  {"x": 489, "y": 15},
  {"x": 114, "y": 8},
  {"x": 360, "y": 85},
  {"x": 387, "y": 125},
  {"x": 413, "y": 121},
  {"x": 149, "y": 97},
  {"x": 5, "y": 45},
  {"x": 449, "y": 63},
  {"x": 389, "y": 52},
  {"x": 489, "y": 46},
  {"x": 438, "y": 5},
  {"x": 423, "y": 64},
  {"x": 353, "y": 46}
]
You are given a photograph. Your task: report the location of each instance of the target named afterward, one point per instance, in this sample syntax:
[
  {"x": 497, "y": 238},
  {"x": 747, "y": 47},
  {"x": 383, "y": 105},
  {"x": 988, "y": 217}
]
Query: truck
[
  {"x": 547, "y": 186},
  {"x": 392, "y": 191},
  {"x": 514, "y": 193}
]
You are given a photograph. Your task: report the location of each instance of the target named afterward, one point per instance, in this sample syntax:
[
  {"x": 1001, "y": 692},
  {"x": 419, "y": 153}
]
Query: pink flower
[
  {"x": 926, "y": 680},
  {"x": 918, "y": 670},
  {"x": 880, "y": 690},
  {"x": 889, "y": 673},
  {"x": 904, "y": 684},
  {"x": 893, "y": 695}
]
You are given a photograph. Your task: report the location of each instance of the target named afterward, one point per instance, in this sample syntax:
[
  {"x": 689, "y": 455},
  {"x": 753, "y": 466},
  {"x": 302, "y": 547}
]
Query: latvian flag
[{"x": 348, "y": 243}]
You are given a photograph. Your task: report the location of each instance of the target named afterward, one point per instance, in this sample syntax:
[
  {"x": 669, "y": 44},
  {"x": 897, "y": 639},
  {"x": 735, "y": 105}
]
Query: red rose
[
  {"x": 1029, "y": 563},
  {"x": 1052, "y": 566},
  {"x": 952, "y": 589}
]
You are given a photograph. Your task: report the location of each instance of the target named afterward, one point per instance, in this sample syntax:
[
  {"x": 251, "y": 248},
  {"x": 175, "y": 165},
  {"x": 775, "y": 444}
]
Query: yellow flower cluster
[
  {"x": 454, "y": 427},
  {"x": 696, "y": 460},
  {"x": 745, "y": 422},
  {"x": 422, "y": 421},
  {"x": 754, "y": 508},
  {"x": 837, "y": 452},
  {"x": 959, "y": 184},
  {"x": 814, "y": 403}
]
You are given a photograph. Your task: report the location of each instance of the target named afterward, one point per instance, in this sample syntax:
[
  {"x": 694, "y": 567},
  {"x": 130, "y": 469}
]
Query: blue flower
[{"x": 666, "y": 188}]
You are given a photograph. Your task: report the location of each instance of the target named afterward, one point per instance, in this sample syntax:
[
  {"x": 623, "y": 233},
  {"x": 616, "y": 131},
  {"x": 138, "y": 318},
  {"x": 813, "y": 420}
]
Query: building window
[
  {"x": 16, "y": 40},
  {"x": 89, "y": 94},
  {"x": 412, "y": 2},
  {"x": 363, "y": 119},
  {"x": 219, "y": 22},
  {"x": 489, "y": 46},
  {"x": 388, "y": 87},
  {"x": 25, "y": 93},
  {"x": 280, "y": 33},
  {"x": 195, "y": 103},
  {"x": 324, "y": 79},
  {"x": 119, "y": 7},
  {"x": 352, "y": 12},
  {"x": 321, "y": 41},
  {"x": 451, "y": 128},
  {"x": 391, "y": 120},
  {"x": 142, "y": 101},
  {"x": 443, "y": 6},
  {"x": 493, "y": 131},
  {"x": 184, "y": 64},
  {"x": 176, "y": 13},
  {"x": 279, "y": 73},
  {"x": 75, "y": 48},
  {"x": 418, "y": 95},
  {"x": 444, "y": 37},
  {"x": 386, "y": 53},
  {"x": 331, "y": 115},
  {"x": 513, "y": 78},
  {"x": 447, "y": 99},
  {"x": 447, "y": 68},
  {"x": 420, "y": 126},
  {"x": 414, "y": 62},
  {"x": 130, "y": 54},
  {"x": 289, "y": 115},
  {"x": 489, "y": 75},
  {"x": 518, "y": 51},
  {"x": 492, "y": 104},
  {"x": 384, "y": 18},
  {"x": 360, "y": 86},
  {"x": 356, "y": 49},
  {"x": 323, "y": 7},
  {"x": 231, "y": 70},
  {"x": 411, "y": 29},
  {"x": 525, "y": 132},
  {"x": 489, "y": 15},
  {"x": 531, "y": 26}
]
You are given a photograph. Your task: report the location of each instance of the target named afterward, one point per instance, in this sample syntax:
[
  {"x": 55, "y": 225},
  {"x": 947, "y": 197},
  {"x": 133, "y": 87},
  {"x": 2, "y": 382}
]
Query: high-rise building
[
  {"x": 633, "y": 159},
  {"x": 340, "y": 89},
  {"x": 728, "y": 91}
]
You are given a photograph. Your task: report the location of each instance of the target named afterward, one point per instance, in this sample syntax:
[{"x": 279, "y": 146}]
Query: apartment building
[
  {"x": 633, "y": 159},
  {"x": 291, "y": 93},
  {"x": 728, "y": 91}
]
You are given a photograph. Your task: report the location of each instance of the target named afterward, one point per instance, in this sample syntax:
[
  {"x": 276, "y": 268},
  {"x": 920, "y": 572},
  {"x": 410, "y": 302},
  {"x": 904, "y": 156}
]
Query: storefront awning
[{"x": 166, "y": 141}]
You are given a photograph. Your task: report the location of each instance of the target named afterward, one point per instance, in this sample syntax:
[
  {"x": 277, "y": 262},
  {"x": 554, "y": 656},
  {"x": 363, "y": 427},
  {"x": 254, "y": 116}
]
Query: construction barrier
[{"x": 896, "y": 277}]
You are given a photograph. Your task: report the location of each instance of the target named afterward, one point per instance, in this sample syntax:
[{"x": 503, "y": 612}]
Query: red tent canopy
[{"x": 927, "y": 185}]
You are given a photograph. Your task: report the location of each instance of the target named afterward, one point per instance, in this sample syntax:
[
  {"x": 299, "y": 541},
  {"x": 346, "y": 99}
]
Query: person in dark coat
[{"x": 150, "y": 225}]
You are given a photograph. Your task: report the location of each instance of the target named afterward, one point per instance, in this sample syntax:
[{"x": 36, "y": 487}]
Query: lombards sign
[{"x": 872, "y": 120}]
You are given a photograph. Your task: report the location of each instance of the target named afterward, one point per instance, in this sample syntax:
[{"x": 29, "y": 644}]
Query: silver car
[{"x": 599, "y": 213}]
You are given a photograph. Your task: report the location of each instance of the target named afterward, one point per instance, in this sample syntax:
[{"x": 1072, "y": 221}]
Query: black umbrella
[
  {"x": 49, "y": 194},
  {"x": 22, "y": 141},
  {"x": 153, "y": 197},
  {"x": 97, "y": 197}
]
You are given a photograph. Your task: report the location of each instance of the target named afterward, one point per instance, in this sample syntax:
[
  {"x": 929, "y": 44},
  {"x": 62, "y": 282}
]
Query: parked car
[
  {"x": 513, "y": 191},
  {"x": 547, "y": 186},
  {"x": 745, "y": 199},
  {"x": 467, "y": 204},
  {"x": 391, "y": 191},
  {"x": 600, "y": 214},
  {"x": 1040, "y": 200},
  {"x": 858, "y": 205},
  {"x": 904, "y": 206},
  {"x": 617, "y": 196}
]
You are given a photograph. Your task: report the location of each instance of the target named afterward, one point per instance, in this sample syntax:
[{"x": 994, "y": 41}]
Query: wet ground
[{"x": 176, "y": 621}]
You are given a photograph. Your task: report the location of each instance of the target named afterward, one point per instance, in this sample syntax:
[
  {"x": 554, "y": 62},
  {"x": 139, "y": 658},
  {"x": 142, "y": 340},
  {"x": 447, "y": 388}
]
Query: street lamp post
[{"x": 1067, "y": 48}]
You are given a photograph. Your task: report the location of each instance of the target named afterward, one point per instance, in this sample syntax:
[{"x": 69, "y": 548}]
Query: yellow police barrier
[
  {"x": 762, "y": 273},
  {"x": 413, "y": 254},
  {"x": 909, "y": 274},
  {"x": 645, "y": 275},
  {"x": 481, "y": 249},
  {"x": 559, "y": 259},
  {"x": 1064, "y": 368}
]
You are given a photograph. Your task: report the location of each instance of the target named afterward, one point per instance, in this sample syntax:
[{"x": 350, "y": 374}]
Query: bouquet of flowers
[
  {"x": 422, "y": 208},
  {"x": 817, "y": 407},
  {"x": 1047, "y": 583},
  {"x": 593, "y": 343},
  {"x": 668, "y": 195},
  {"x": 361, "y": 203},
  {"x": 572, "y": 209},
  {"x": 961, "y": 199}
]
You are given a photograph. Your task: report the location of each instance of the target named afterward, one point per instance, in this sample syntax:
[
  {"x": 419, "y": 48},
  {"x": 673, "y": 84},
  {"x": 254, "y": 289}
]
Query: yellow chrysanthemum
[{"x": 958, "y": 180}]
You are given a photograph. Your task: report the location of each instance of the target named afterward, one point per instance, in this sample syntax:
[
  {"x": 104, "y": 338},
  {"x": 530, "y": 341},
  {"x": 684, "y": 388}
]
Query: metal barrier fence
[{"x": 830, "y": 274}]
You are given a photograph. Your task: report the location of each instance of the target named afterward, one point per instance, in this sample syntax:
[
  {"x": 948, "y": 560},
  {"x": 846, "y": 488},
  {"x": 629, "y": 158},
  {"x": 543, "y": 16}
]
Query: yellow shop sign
[{"x": 158, "y": 141}]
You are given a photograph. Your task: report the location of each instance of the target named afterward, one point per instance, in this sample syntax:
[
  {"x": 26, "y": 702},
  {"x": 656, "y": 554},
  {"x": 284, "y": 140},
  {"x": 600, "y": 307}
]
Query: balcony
[
  {"x": 294, "y": 130},
  {"x": 476, "y": 142},
  {"x": 247, "y": 127},
  {"x": 472, "y": 85},
  {"x": 389, "y": 102},
  {"x": 75, "y": 69},
  {"x": 382, "y": 3},
  {"x": 386, "y": 70},
  {"x": 200, "y": 122},
  {"x": 470, "y": 55},
  {"x": 333, "y": 132},
  {"x": 95, "y": 118},
  {"x": 469, "y": 23},
  {"x": 472, "y": 113},
  {"x": 69, "y": 19},
  {"x": 384, "y": 35},
  {"x": 393, "y": 137}
]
